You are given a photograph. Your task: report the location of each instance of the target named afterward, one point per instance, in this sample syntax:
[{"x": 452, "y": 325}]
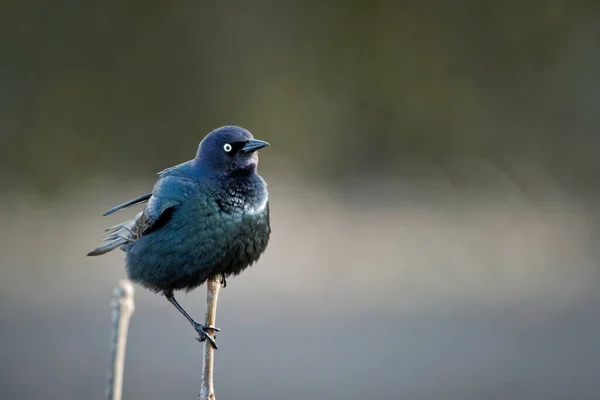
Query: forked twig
[
  {"x": 207, "y": 390},
  {"x": 123, "y": 307}
]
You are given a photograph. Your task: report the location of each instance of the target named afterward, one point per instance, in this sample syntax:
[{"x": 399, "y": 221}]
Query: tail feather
[
  {"x": 119, "y": 235},
  {"x": 105, "y": 248},
  {"x": 114, "y": 228}
]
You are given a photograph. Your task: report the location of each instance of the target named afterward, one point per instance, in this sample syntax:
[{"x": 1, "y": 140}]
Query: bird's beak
[{"x": 253, "y": 145}]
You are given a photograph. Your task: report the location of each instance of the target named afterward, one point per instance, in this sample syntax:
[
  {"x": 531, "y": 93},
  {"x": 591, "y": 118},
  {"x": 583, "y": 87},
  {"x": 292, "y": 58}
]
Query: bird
[{"x": 205, "y": 218}]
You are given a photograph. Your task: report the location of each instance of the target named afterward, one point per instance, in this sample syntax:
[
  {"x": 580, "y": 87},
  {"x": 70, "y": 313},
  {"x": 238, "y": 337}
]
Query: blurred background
[{"x": 434, "y": 192}]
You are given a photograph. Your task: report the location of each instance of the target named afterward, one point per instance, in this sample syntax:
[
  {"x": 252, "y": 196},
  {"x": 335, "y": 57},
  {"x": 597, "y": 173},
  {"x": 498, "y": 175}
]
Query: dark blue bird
[{"x": 204, "y": 218}]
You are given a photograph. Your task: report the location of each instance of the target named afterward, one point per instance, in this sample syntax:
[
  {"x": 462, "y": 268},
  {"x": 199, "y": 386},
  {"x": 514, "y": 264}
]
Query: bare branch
[
  {"x": 207, "y": 391},
  {"x": 123, "y": 307}
]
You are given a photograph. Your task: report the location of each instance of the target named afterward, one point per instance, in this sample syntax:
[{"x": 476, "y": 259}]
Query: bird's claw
[{"x": 204, "y": 335}]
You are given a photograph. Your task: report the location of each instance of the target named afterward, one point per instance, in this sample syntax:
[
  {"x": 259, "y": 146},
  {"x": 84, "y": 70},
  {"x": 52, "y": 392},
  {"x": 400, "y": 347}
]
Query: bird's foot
[
  {"x": 202, "y": 331},
  {"x": 223, "y": 279}
]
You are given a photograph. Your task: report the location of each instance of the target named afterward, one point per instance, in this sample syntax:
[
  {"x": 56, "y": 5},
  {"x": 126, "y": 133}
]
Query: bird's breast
[{"x": 257, "y": 206}]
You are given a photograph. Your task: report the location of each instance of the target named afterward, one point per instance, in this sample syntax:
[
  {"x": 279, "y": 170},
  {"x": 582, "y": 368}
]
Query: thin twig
[
  {"x": 123, "y": 307},
  {"x": 207, "y": 391}
]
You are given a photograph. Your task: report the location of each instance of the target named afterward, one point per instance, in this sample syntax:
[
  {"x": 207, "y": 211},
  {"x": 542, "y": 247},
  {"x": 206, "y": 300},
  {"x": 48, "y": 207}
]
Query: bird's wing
[
  {"x": 176, "y": 169},
  {"x": 135, "y": 201},
  {"x": 142, "y": 199},
  {"x": 168, "y": 193}
]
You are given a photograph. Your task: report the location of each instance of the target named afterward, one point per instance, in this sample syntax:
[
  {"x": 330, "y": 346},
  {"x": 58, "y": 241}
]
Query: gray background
[{"x": 433, "y": 177}]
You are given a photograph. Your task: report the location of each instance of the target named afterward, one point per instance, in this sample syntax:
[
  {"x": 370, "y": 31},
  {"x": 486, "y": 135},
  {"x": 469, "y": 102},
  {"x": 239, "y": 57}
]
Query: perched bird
[{"x": 206, "y": 217}]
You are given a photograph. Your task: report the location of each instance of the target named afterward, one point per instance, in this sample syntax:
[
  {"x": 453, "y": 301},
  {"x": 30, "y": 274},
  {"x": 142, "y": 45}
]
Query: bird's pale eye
[{"x": 227, "y": 147}]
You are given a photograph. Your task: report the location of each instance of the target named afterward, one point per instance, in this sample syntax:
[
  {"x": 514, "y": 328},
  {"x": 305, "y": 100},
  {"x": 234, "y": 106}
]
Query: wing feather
[
  {"x": 168, "y": 193},
  {"x": 129, "y": 203}
]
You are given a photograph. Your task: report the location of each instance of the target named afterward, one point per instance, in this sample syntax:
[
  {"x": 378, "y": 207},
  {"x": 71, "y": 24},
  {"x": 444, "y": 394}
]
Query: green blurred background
[{"x": 434, "y": 184}]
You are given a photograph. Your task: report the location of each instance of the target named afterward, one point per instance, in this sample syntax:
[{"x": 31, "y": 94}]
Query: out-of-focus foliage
[{"x": 339, "y": 87}]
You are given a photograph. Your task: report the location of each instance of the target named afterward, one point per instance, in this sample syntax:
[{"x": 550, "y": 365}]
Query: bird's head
[{"x": 230, "y": 150}]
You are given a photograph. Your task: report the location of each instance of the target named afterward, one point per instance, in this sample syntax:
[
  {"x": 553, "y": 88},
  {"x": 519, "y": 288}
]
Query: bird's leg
[
  {"x": 223, "y": 279},
  {"x": 200, "y": 329}
]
